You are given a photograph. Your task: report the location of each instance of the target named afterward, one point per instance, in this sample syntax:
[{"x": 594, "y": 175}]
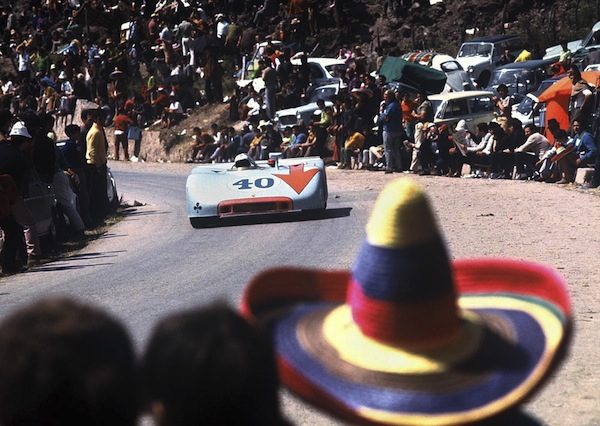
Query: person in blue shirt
[
  {"x": 391, "y": 121},
  {"x": 583, "y": 155}
]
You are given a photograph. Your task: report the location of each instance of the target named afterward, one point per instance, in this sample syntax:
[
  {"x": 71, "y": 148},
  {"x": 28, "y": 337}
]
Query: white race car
[{"x": 247, "y": 187}]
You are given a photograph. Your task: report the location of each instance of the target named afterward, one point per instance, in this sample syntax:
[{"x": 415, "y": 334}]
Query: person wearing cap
[
  {"x": 409, "y": 335},
  {"x": 96, "y": 147},
  {"x": 391, "y": 120},
  {"x": 17, "y": 164}
]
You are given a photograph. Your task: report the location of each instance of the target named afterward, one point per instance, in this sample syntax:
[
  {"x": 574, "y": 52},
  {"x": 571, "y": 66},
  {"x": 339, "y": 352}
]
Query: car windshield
[
  {"x": 544, "y": 85},
  {"x": 437, "y": 108},
  {"x": 325, "y": 93},
  {"x": 475, "y": 49},
  {"x": 450, "y": 66},
  {"x": 510, "y": 77},
  {"x": 525, "y": 106},
  {"x": 287, "y": 120},
  {"x": 337, "y": 70}
]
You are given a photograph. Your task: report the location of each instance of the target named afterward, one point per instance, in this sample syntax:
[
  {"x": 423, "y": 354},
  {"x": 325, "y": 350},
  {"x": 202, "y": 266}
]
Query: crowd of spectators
[{"x": 75, "y": 169}]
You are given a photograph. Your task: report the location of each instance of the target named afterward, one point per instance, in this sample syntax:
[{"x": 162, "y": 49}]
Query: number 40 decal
[{"x": 261, "y": 183}]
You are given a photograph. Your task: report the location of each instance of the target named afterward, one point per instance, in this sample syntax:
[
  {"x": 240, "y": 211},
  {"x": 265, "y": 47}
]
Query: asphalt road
[{"x": 153, "y": 262}]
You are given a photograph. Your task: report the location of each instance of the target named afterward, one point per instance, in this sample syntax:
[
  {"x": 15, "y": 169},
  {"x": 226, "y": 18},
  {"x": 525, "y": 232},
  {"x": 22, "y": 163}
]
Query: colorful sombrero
[{"x": 407, "y": 337}]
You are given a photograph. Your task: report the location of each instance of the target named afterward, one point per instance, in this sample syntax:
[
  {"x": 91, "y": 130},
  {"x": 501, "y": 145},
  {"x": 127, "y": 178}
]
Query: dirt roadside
[{"x": 546, "y": 223}]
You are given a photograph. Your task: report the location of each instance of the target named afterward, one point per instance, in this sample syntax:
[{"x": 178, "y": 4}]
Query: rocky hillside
[{"x": 442, "y": 26}]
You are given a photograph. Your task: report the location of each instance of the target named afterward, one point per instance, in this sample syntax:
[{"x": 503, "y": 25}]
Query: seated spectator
[
  {"x": 530, "y": 152},
  {"x": 297, "y": 138},
  {"x": 209, "y": 366},
  {"x": 426, "y": 151},
  {"x": 65, "y": 363},
  {"x": 584, "y": 152},
  {"x": 351, "y": 149},
  {"x": 501, "y": 157},
  {"x": 173, "y": 113},
  {"x": 372, "y": 142},
  {"x": 478, "y": 154}
]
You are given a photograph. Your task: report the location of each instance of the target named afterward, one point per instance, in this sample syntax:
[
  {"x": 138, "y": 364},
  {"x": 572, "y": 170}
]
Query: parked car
[
  {"x": 289, "y": 117},
  {"x": 322, "y": 71},
  {"x": 457, "y": 78},
  {"x": 480, "y": 55},
  {"x": 585, "y": 51},
  {"x": 529, "y": 110},
  {"x": 472, "y": 106},
  {"x": 42, "y": 204},
  {"x": 520, "y": 77}
]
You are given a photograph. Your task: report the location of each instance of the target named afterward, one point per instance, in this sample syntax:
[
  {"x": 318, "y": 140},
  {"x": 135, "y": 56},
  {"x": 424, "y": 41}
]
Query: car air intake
[{"x": 255, "y": 205}]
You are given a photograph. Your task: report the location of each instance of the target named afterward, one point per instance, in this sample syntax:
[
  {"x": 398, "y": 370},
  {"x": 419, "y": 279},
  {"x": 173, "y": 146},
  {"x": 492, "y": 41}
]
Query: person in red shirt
[
  {"x": 122, "y": 123},
  {"x": 408, "y": 106}
]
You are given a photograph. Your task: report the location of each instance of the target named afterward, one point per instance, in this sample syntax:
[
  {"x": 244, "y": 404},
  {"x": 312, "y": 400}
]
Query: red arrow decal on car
[{"x": 298, "y": 178}]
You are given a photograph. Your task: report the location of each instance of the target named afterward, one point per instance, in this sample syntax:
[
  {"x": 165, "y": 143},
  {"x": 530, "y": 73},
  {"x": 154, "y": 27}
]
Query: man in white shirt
[{"x": 530, "y": 152}]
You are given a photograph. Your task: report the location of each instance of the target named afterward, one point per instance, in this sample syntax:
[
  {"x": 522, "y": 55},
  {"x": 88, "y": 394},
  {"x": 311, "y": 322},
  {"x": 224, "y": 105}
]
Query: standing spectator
[
  {"x": 424, "y": 111},
  {"x": 503, "y": 101},
  {"x": 17, "y": 164},
  {"x": 121, "y": 123},
  {"x": 269, "y": 76},
  {"x": 74, "y": 162},
  {"x": 96, "y": 144},
  {"x": 505, "y": 58},
  {"x": 581, "y": 102},
  {"x": 213, "y": 77},
  {"x": 12, "y": 231},
  {"x": 391, "y": 118}
]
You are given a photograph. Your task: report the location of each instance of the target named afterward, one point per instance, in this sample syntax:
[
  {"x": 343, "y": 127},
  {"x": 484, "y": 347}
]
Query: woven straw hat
[{"x": 409, "y": 337}]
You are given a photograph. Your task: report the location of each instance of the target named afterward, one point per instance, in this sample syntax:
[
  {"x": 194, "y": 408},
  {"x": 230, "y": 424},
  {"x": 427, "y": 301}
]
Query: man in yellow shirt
[
  {"x": 351, "y": 148},
  {"x": 95, "y": 156}
]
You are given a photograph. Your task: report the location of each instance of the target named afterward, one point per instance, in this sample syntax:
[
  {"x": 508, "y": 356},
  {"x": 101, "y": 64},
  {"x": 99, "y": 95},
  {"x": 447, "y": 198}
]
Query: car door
[
  {"x": 454, "y": 111},
  {"x": 481, "y": 110},
  {"x": 317, "y": 74}
]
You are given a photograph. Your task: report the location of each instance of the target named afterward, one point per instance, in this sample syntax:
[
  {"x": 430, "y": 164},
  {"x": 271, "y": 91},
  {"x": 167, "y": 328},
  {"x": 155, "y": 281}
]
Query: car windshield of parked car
[
  {"x": 450, "y": 66},
  {"x": 437, "y": 108},
  {"x": 325, "y": 93},
  {"x": 475, "y": 49},
  {"x": 525, "y": 106},
  {"x": 337, "y": 70},
  {"x": 480, "y": 105},
  {"x": 511, "y": 77}
]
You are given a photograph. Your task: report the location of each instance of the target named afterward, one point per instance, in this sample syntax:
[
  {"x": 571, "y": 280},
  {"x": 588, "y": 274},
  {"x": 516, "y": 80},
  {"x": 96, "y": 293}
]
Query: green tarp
[{"x": 418, "y": 76}]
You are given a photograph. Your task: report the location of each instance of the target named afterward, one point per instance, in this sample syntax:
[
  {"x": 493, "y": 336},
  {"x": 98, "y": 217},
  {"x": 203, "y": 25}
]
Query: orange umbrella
[{"x": 557, "y": 97}]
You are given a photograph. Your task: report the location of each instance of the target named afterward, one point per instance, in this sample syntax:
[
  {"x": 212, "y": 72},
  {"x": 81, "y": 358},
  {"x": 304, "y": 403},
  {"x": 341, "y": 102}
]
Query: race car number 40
[{"x": 261, "y": 183}]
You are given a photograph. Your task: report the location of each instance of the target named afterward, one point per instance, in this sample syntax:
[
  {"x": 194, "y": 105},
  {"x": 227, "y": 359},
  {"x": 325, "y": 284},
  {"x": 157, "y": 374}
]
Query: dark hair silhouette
[
  {"x": 65, "y": 363},
  {"x": 209, "y": 366}
]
